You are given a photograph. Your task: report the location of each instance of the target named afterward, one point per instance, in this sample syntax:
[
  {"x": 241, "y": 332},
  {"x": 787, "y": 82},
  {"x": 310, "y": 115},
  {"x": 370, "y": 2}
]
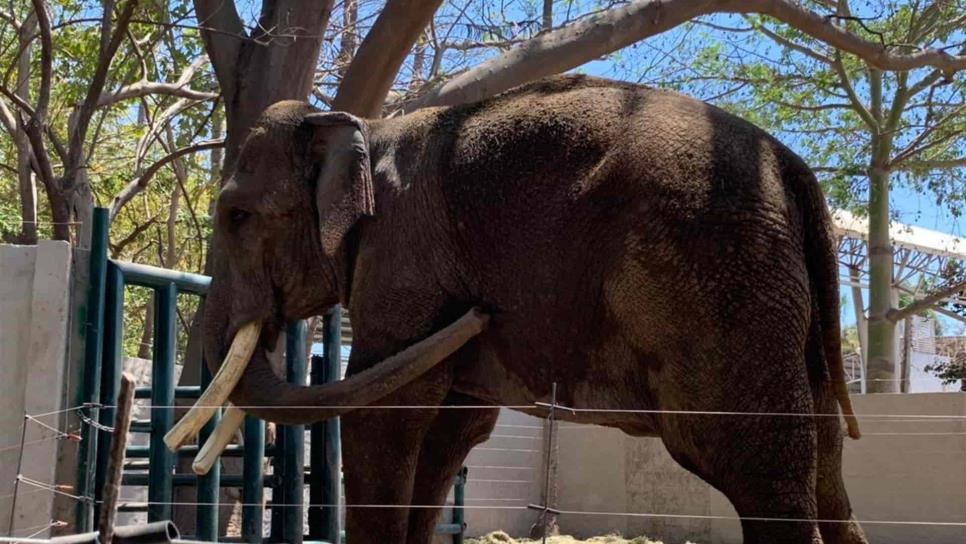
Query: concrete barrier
[
  {"x": 34, "y": 331},
  {"x": 903, "y": 469}
]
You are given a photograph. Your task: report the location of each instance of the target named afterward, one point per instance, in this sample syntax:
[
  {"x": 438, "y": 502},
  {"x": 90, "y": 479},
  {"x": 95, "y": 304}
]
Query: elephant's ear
[{"x": 343, "y": 192}]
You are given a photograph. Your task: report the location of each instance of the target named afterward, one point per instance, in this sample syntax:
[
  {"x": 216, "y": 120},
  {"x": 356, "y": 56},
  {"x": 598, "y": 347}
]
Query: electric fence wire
[
  {"x": 530, "y": 408},
  {"x": 882, "y": 418}
]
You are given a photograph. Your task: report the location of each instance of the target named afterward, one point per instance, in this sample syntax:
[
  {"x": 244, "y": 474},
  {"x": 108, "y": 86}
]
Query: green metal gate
[{"x": 102, "y": 374}]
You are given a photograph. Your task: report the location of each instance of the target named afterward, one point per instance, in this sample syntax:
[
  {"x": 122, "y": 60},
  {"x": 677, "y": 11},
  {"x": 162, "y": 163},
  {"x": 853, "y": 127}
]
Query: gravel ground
[{"x": 500, "y": 537}]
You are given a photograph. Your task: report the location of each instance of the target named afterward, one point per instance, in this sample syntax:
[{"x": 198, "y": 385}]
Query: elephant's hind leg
[
  {"x": 833, "y": 501},
  {"x": 453, "y": 434},
  {"x": 764, "y": 463}
]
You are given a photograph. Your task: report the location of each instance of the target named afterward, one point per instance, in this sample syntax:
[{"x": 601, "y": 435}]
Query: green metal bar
[
  {"x": 459, "y": 500},
  {"x": 162, "y": 403},
  {"x": 206, "y": 514},
  {"x": 289, "y": 461},
  {"x": 143, "y": 452},
  {"x": 159, "y": 278},
  {"x": 180, "y": 392},
  {"x": 111, "y": 362},
  {"x": 191, "y": 480},
  {"x": 252, "y": 476},
  {"x": 455, "y": 529},
  {"x": 331, "y": 442},
  {"x": 90, "y": 392}
]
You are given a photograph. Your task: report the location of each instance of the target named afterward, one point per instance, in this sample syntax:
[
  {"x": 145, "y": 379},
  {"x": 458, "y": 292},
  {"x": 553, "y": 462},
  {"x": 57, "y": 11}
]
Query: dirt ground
[{"x": 500, "y": 537}]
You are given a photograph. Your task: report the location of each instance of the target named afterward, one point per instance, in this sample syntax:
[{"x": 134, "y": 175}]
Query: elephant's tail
[{"x": 822, "y": 263}]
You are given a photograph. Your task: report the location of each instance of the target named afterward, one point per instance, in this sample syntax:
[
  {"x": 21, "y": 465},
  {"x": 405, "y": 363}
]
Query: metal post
[
  {"x": 87, "y": 453},
  {"x": 459, "y": 500},
  {"x": 113, "y": 352},
  {"x": 289, "y": 462},
  {"x": 252, "y": 480},
  {"x": 162, "y": 403},
  {"x": 206, "y": 514},
  {"x": 326, "y": 455}
]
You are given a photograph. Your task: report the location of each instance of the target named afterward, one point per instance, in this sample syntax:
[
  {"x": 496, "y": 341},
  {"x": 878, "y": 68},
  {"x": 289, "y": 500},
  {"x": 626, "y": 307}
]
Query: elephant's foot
[{"x": 453, "y": 434}]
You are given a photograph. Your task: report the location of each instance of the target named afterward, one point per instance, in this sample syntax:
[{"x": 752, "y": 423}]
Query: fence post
[
  {"x": 459, "y": 500},
  {"x": 206, "y": 514},
  {"x": 326, "y": 460},
  {"x": 252, "y": 480},
  {"x": 93, "y": 326},
  {"x": 112, "y": 359},
  {"x": 287, "y": 497},
  {"x": 162, "y": 460}
]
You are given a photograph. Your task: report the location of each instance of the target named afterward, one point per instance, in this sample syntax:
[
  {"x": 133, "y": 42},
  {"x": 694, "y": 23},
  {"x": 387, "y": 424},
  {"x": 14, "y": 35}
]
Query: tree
[{"x": 864, "y": 126}]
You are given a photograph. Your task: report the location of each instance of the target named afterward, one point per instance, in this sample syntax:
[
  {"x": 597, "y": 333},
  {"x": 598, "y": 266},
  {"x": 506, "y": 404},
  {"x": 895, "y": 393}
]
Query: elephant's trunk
[{"x": 260, "y": 392}]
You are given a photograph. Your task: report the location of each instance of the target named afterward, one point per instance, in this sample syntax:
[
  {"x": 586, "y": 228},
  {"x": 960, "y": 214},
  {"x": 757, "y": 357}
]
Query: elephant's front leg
[
  {"x": 453, "y": 434},
  {"x": 380, "y": 449}
]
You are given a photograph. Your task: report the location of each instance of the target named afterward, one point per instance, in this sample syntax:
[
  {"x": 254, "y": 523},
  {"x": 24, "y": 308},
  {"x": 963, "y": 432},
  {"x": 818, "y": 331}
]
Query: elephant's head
[{"x": 302, "y": 182}]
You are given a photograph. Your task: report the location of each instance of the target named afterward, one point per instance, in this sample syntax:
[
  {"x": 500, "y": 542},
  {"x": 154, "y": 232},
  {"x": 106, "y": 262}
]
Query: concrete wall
[
  {"x": 34, "y": 331},
  {"x": 901, "y": 470}
]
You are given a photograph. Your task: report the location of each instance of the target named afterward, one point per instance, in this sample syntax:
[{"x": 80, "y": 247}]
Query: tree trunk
[
  {"x": 264, "y": 74},
  {"x": 882, "y": 331},
  {"x": 861, "y": 325},
  {"x": 147, "y": 334}
]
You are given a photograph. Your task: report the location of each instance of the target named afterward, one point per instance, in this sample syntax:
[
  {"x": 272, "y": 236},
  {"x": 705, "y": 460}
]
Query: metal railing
[{"x": 104, "y": 357}]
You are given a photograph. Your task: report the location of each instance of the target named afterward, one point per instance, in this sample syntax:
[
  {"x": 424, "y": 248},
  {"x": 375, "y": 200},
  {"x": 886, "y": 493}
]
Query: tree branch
[
  {"x": 895, "y": 315},
  {"x": 37, "y": 123},
  {"x": 373, "y": 69},
  {"x": 570, "y": 46},
  {"x": 75, "y": 147},
  {"x": 938, "y": 164},
  {"x": 136, "y": 186},
  {"x": 222, "y": 31},
  {"x": 792, "y": 45},
  {"x": 857, "y": 104},
  {"x": 142, "y": 88}
]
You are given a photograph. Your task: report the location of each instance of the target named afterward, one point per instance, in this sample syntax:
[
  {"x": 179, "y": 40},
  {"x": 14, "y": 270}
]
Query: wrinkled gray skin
[{"x": 642, "y": 249}]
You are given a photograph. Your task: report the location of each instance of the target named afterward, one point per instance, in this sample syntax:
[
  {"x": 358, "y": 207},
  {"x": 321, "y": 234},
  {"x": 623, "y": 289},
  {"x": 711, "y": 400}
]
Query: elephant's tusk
[
  {"x": 221, "y": 386},
  {"x": 230, "y": 422}
]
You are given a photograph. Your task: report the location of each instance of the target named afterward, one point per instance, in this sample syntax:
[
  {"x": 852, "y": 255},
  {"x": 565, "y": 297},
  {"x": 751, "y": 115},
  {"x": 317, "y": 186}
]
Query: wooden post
[{"x": 115, "y": 464}]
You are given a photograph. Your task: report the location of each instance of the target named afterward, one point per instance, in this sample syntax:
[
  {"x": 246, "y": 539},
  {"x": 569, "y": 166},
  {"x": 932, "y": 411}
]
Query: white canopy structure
[{"x": 923, "y": 261}]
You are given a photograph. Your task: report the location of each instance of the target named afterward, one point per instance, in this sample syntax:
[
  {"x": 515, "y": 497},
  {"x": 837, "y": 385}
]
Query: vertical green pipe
[
  {"x": 332, "y": 491},
  {"x": 93, "y": 323},
  {"x": 317, "y": 528},
  {"x": 252, "y": 480},
  {"x": 161, "y": 460},
  {"x": 289, "y": 462},
  {"x": 111, "y": 367},
  {"x": 206, "y": 514},
  {"x": 326, "y": 461},
  {"x": 459, "y": 499}
]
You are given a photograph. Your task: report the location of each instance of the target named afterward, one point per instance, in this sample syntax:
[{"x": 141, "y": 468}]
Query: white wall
[
  {"x": 903, "y": 469},
  {"x": 34, "y": 328}
]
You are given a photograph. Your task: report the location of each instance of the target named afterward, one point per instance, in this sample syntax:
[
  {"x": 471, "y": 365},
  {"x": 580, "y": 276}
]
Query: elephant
[{"x": 667, "y": 267}]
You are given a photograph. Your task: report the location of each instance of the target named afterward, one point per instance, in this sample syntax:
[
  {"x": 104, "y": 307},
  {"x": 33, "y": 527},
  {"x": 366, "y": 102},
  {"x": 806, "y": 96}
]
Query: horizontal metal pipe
[
  {"x": 155, "y": 277},
  {"x": 139, "y": 452},
  {"x": 159, "y": 532},
  {"x": 449, "y": 529},
  {"x": 180, "y": 392},
  {"x": 192, "y": 479}
]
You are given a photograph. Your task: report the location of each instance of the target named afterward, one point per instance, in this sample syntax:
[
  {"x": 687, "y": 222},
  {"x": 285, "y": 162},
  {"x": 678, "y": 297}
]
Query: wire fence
[{"x": 553, "y": 411}]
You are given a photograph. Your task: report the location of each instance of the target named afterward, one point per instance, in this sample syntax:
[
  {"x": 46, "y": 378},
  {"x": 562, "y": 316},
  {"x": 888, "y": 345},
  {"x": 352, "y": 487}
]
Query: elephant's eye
[{"x": 237, "y": 216}]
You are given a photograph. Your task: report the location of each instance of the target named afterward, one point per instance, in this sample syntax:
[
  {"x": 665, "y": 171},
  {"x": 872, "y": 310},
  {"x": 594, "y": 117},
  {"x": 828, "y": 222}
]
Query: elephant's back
[{"x": 595, "y": 217}]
